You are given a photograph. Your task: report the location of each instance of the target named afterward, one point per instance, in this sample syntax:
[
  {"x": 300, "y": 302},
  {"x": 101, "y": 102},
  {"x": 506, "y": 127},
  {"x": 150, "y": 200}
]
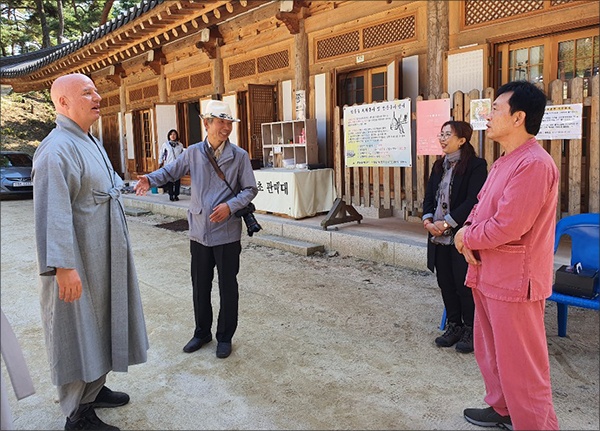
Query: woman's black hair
[
  {"x": 461, "y": 129},
  {"x": 169, "y": 134}
]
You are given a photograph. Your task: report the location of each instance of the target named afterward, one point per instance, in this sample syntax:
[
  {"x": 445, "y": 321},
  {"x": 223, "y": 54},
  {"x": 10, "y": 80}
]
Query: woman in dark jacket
[{"x": 451, "y": 193}]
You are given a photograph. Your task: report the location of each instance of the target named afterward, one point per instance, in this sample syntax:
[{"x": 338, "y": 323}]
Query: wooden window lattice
[
  {"x": 135, "y": 95},
  {"x": 180, "y": 84},
  {"x": 559, "y": 2},
  {"x": 277, "y": 60},
  {"x": 113, "y": 100},
  {"x": 380, "y": 34},
  {"x": 150, "y": 91},
  {"x": 338, "y": 45},
  {"x": 242, "y": 69},
  {"x": 480, "y": 11},
  {"x": 144, "y": 93},
  {"x": 389, "y": 32},
  {"x": 200, "y": 79}
]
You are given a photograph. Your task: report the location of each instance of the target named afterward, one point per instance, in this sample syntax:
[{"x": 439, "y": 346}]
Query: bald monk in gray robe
[{"x": 91, "y": 307}]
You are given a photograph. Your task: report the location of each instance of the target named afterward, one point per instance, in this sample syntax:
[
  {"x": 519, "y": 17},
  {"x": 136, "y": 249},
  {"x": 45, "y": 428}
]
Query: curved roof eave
[{"x": 21, "y": 65}]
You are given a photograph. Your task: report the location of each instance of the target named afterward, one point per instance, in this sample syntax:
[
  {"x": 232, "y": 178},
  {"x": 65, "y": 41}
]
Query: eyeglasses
[{"x": 444, "y": 136}]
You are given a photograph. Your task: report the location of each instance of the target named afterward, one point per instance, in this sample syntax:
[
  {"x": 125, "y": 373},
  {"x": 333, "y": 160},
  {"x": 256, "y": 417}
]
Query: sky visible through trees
[{"x": 30, "y": 25}]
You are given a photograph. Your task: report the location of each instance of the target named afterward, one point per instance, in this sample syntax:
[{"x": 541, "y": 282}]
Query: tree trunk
[
  {"x": 105, "y": 11},
  {"x": 39, "y": 5},
  {"x": 437, "y": 45},
  {"x": 61, "y": 22},
  {"x": 76, "y": 13}
]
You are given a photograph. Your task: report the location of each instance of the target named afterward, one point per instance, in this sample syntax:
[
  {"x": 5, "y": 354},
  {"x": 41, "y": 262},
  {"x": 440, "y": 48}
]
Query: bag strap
[{"x": 218, "y": 170}]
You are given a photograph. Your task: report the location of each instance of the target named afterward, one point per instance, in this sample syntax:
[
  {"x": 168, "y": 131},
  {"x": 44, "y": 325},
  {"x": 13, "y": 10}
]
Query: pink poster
[{"x": 431, "y": 114}]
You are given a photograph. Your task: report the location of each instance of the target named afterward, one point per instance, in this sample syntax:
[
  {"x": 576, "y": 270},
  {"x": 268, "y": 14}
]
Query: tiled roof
[{"x": 20, "y": 65}]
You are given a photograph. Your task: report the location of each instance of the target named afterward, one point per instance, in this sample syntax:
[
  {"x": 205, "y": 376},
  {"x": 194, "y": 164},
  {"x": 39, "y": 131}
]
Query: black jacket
[{"x": 464, "y": 196}]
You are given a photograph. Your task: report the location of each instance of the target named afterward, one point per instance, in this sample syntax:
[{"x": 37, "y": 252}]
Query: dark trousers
[
  {"x": 451, "y": 271},
  {"x": 173, "y": 188},
  {"x": 226, "y": 258}
]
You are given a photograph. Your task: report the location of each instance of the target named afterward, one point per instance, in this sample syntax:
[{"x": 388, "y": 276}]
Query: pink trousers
[{"x": 509, "y": 339}]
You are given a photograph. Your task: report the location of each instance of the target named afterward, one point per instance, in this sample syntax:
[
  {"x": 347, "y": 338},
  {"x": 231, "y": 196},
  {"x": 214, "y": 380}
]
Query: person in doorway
[
  {"x": 508, "y": 242},
  {"x": 91, "y": 306},
  {"x": 215, "y": 231},
  {"x": 169, "y": 151},
  {"x": 450, "y": 195}
]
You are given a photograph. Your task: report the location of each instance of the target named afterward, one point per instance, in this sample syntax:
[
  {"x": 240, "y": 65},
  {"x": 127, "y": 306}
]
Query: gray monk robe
[{"x": 80, "y": 223}]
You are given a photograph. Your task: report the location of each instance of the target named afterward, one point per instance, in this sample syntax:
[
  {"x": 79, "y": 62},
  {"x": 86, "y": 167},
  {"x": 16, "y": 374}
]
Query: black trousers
[
  {"x": 173, "y": 188},
  {"x": 226, "y": 258},
  {"x": 451, "y": 271}
]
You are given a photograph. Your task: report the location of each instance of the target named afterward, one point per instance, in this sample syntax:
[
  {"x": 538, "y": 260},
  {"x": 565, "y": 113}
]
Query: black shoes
[
  {"x": 223, "y": 350},
  {"x": 108, "y": 399},
  {"x": 176, "y": 198},
  {"x": 465, "y": 344},
  {"x": 451, "y": 336},
  {"x": 488, "y": 418},
  {"x": 88, "y": 421},
  {"x": 195, "y": 343}
]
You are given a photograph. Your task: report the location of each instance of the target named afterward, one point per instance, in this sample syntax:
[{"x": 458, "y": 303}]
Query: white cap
[{"x": 218, "y": 109}]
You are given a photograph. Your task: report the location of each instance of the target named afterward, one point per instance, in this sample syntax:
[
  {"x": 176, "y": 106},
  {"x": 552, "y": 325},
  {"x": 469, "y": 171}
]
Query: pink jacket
[{"x": 512, "y": 227}]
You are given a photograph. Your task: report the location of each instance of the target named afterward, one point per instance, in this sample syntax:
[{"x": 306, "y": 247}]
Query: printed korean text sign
[
  {"x": 431, "y": 114},
  {"x": 378, "y": 134},
  {"x": 561, "y": 122},
  {"x": 480, "y": 109}
]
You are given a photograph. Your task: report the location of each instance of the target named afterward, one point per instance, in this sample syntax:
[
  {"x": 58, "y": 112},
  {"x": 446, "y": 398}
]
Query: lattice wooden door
[
  {"x": 110, "y": 140},
  {"x": 262, "y": 101}
]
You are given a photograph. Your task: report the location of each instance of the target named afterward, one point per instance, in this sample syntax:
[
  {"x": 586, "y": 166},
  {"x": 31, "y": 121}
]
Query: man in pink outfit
[{"x": 508, "y": 241}]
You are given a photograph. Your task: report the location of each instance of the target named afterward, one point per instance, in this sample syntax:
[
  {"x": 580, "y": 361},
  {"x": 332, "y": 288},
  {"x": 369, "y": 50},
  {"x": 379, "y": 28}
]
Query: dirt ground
[{"x": 323, "y": 343}]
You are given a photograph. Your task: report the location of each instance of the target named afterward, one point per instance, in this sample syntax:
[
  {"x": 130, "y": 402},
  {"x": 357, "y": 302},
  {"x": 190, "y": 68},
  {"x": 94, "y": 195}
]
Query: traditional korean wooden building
[{"x": 159, "y": 64}]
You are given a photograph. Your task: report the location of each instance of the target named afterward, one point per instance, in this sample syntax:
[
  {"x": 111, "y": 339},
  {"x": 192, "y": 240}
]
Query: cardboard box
[{"x": 583, "y": 284}]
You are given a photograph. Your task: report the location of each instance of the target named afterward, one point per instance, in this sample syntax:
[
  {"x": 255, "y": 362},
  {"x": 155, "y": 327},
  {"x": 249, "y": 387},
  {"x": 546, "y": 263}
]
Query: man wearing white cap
[{"x": 215, "y": 232}]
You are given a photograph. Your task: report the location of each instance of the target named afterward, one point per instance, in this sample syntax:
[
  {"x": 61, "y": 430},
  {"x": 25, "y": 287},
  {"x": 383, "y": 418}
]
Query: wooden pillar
[
  {"x": 301, "y": 64},
  {"x": 437, "y": 45},
  {"x": 122, "y": 140},
  {"x": 219, "y": 78},
  {"x": 162, "y": 88}
]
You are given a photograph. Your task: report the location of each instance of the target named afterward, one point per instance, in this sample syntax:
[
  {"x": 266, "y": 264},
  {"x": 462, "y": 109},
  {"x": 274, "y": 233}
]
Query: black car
[{"x": 16, "y": 174}]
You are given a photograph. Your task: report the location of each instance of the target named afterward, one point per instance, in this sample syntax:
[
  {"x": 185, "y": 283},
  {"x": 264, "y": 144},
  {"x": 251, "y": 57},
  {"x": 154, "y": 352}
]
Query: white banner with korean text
[
  {"x": 561, "y": 122},
  {"x": 378, "y": 134}
]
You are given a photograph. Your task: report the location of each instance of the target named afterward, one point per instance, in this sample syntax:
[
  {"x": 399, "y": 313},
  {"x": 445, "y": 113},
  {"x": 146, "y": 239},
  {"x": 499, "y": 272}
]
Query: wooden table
[{"x": 297, "y": 193}]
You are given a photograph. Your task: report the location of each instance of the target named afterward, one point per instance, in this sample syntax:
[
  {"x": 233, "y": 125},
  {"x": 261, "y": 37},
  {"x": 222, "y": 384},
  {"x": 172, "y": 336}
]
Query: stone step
[
  {"x": 296, "y": 246},
  {"x": 136, "y": 212}
]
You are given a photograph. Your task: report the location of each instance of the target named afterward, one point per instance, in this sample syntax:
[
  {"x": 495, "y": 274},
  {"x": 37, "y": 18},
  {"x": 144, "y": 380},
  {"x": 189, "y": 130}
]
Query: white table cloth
[{"x": 297, "y": 193}]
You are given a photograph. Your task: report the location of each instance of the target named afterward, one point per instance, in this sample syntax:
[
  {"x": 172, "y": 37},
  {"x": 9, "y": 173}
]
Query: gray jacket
[{"x": 208, "y": 190}]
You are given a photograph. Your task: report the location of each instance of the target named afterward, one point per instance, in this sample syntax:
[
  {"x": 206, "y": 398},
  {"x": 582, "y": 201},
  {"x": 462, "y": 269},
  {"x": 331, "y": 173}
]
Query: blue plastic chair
[
  {"x": 584, "y": 230},
  {"x": 443, "y": 322}
]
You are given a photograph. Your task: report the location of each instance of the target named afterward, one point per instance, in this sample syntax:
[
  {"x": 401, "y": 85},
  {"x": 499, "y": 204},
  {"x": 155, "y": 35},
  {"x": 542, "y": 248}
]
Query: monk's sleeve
[{"x": 55, "y": 184}]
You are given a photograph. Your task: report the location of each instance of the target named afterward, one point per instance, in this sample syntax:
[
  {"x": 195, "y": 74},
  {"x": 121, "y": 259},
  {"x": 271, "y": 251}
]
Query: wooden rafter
[
  {"x": 167, "y": 22},
  {"x": 118, "y": 74},
  {"x": 156, "y": 58},
  {"x": 292, "y": 18},
  {"x": 212, "y": 39}
]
